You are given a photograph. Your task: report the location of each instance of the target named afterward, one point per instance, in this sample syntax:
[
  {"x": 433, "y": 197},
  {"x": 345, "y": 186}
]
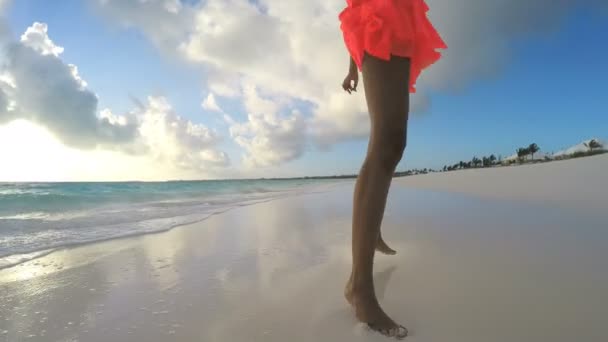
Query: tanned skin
[{"x": 386, "y": 85}]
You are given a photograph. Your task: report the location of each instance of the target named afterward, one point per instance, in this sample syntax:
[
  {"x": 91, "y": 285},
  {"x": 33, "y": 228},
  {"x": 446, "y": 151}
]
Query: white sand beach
[{"x": 488, "y": 255}]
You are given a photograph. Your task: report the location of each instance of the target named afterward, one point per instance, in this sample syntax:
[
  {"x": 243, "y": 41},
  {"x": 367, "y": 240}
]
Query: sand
[{"x": 506, "y": 254}]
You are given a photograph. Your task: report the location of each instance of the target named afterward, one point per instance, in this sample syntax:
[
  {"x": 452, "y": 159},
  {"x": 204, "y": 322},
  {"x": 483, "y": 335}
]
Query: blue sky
[{"x": 551, "y": 91}]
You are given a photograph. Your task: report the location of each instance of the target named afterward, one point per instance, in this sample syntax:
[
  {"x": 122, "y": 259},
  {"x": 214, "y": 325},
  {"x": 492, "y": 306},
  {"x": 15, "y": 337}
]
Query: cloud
[
  {"x": 223, "y": 83},
  {"x": 165, "y": 22},
  {"x": 272, "y": 46},
  {"x": 170, "y": 138},
  {"x": 38, "y": 86},
  {"x": 480, "y": 35},
  {"x": 20, "y": 140},
  {"x": 301, "y": 55},
  {"x": 36, "y": 37},
  {"x": 268, "y": 138},
  {"x": 49, "y": 92},
  {"x": 210, "y": 104},
  {"x": 338, "y": 119},
  {"x": 3, "y": 5},
  {"x": 3, "y": 104},
  {"x": 293, "y": 49},
  {"x": 234, "y": 35}
]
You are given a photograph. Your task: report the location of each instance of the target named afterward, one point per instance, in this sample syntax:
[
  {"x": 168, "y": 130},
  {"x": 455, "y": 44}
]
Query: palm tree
[
  {"x": 593, "y": 144},
  {"x": 533, "y": 148},
  {"x": 485, "y": 161},
  {"x": 461, "y": 164},
  {"x": 474, "y": 161},
  {"x": 492, "y": 159},
  {"x": 521, "y": 153}
]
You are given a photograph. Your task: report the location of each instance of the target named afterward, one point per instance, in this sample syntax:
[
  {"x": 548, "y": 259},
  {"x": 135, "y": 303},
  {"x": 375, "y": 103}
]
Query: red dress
[{"x": 391, "y": 27}]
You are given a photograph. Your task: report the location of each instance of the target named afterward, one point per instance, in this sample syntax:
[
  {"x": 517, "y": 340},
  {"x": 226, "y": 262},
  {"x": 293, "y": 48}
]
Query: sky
[{"x": 110, "y": 90}]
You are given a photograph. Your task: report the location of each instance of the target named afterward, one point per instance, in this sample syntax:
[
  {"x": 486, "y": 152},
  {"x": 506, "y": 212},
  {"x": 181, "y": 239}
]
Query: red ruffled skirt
[{"x": 391, "y": 27}]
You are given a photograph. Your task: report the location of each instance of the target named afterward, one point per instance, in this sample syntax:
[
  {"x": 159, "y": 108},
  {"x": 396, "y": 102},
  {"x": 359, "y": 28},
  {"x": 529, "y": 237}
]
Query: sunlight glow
[{"x": 29, "y": 152}]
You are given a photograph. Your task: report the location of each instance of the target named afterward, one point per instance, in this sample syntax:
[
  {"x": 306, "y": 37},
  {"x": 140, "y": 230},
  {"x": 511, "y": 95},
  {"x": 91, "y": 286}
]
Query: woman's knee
[
  {"x": 389, "y": 149},
  {"x": 396, "y": 148}
]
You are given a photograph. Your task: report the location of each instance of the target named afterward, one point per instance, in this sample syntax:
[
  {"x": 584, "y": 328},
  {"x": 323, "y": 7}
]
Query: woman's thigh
[{"x": 386, "y": 85}]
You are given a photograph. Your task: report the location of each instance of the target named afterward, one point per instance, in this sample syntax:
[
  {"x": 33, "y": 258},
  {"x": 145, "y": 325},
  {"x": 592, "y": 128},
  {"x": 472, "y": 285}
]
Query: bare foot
[
  {"x": 382, "y": 247},
  {"x": 367, "y": 310}
]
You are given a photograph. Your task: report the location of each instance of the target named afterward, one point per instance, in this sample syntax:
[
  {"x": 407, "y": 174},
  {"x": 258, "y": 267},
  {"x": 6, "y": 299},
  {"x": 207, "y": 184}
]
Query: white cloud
[
  {"x": 291, "y": 49},
  {"x": 302, "y": 56},
  {"x": 294, "y": 49},
  {"x": 164, "y": 21},
  {"x": 170, "y": 138},
  {"x": 210, "y": 104},
  {"x": 234, "y": 35},
  {"x": 20, "y": 140},
  {"x": 268, "y": 138},
  {"x": 36, "y": 37},
  {"x": 74, "y": 70},
  {"x": 223, "y": 83},
  {"x": 116, "y": 120},
  {"x": 215, "y": 158},
  {"x": 37, "y": 86},
  {"x": 50, "y": 92},
  {"x": 339, "y": 119}
]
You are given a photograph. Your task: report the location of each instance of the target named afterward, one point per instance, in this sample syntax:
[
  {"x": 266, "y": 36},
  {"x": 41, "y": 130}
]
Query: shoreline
[
  {"x": 6, "y": 261},
  {"x": 436, "y": 182}
]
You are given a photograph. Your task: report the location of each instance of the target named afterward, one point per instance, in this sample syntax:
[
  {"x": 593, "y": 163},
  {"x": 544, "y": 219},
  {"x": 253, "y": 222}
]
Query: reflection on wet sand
[
  {"x": 51, "y": 308},
  {"x": 465, "y": 271}
]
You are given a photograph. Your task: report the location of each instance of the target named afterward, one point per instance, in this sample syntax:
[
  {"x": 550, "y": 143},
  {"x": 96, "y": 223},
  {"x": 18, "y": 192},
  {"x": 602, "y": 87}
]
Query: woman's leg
[{"x": 386, "y": 90}]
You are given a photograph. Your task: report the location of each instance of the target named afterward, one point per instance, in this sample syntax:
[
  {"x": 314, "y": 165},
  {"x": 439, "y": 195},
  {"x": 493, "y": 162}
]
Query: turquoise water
[{"x": 36, "y": 218}]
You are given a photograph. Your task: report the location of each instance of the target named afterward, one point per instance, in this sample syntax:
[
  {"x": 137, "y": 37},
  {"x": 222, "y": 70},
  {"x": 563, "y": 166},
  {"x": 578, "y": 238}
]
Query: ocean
[{"x": 38, "y": 218}]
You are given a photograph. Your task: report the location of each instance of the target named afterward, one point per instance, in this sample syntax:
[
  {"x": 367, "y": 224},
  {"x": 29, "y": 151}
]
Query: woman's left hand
[{"x": 350, "y": 82}]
